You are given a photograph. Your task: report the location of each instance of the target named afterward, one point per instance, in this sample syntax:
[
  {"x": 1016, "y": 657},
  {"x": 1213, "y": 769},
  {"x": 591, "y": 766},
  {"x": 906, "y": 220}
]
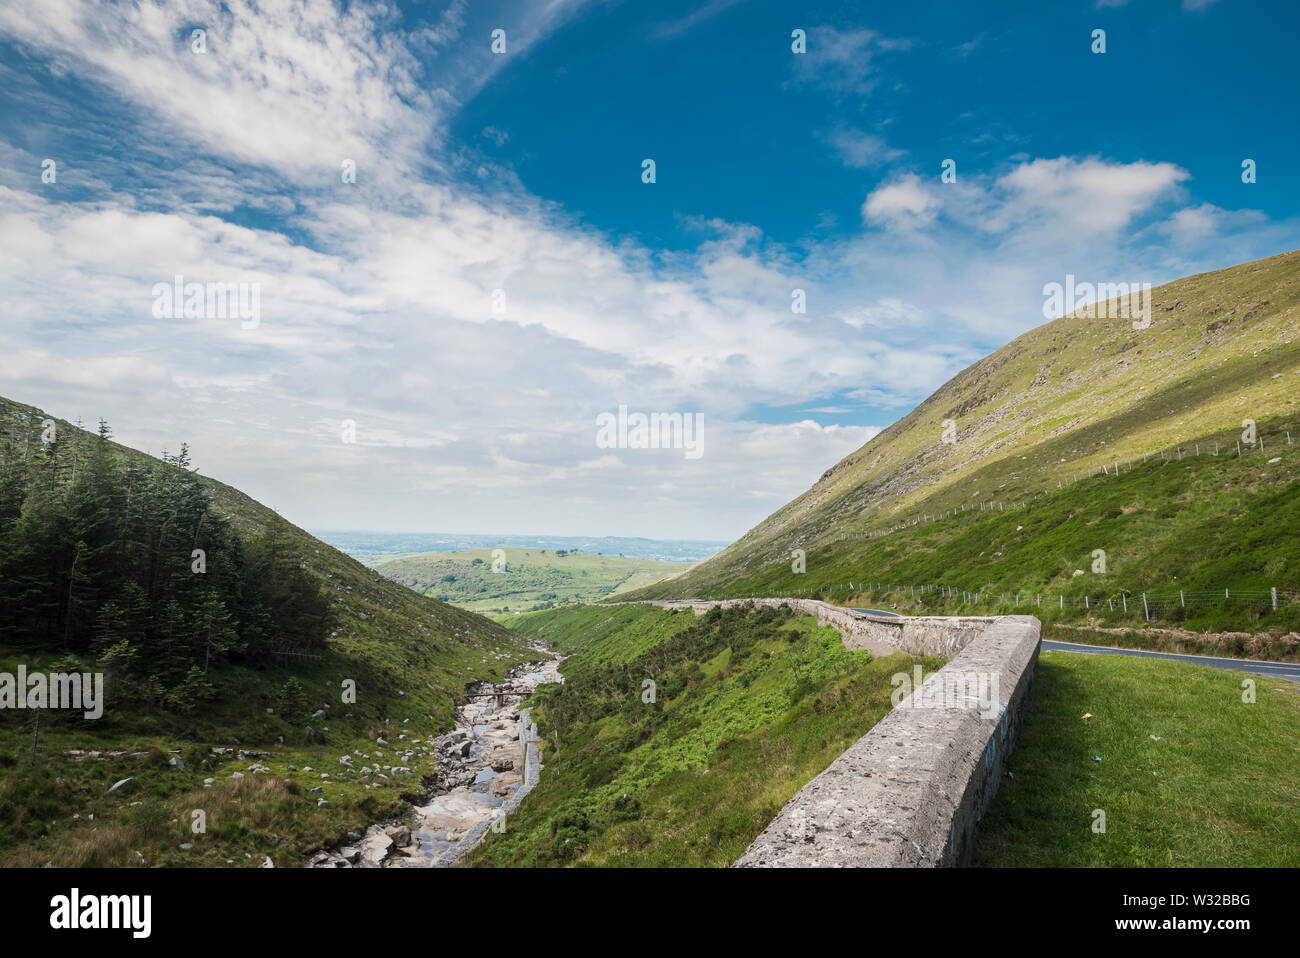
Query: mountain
[
  {"x": 378, "y": 629},
  {"x": 238, "y": 650},
  {"x": 1019, "y": 500}
]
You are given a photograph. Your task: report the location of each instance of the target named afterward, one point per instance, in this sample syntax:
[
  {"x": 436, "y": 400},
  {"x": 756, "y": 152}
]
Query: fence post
[
  {"x": 1274, "y": 591},
  {"x": 1181, "y": 601},
  {"x": 1145, "y": 611},
  {"x": 1085, "y": 603},
  {"x": 1124, "y": 596},
  {"x": 1062, "y": 598}
]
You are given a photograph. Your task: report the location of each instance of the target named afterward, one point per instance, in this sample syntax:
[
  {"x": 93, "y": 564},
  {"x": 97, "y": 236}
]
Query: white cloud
[
  {"x": 1089, "y": 195},
  {"x": 296, "y": 86},
  {"x": 377, "y": 306},
  {"x": 905, "y": 202},
  {"x": 862, "y": 150},
  {"x": 843, "y": 61}
]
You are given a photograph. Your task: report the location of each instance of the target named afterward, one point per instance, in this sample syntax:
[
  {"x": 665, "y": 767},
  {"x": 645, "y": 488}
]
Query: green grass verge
[{"x": 1219, "y": 785}]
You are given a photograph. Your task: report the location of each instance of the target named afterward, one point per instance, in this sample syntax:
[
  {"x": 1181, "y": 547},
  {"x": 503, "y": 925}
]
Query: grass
[
  {"x": 55, "y": 805},
  {"x": 530, "y": 579},
  {"x": 1218, "y": 786},
  {"x": 1150, "y": 522},
  {"x": 750, "y": 706}
]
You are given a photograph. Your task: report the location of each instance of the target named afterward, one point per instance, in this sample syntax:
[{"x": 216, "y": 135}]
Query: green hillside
[
  {"x": 528, "y": 580},
  {"x": 96, "y": 545},
  {"x": 1019, "y": 501},
  {"x": 748, "y": 705}
]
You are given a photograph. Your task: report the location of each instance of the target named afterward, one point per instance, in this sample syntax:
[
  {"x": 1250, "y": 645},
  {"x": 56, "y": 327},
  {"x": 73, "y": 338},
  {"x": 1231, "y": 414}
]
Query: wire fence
[{"x": 1149, "y": 605}]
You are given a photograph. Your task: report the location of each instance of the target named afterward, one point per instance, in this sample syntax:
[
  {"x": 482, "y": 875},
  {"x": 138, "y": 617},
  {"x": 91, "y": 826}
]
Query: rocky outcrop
[{"x": 485, "y": 768}]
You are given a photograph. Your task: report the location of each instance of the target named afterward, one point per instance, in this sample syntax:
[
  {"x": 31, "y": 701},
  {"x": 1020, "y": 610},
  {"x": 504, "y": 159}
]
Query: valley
[
  {"x": 506, "y": 581},
  {"x": 317, "y": 710}
]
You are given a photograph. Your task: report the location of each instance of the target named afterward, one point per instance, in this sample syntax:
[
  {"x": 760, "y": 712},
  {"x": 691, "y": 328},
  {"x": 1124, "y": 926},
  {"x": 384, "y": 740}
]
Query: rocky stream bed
[{"x": 481, "y": 776}]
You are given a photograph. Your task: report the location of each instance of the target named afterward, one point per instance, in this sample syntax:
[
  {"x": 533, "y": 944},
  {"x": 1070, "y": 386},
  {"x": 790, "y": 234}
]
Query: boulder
[
  {"x": 375, "y": 847},
  {"x": 125, "y": 785}
]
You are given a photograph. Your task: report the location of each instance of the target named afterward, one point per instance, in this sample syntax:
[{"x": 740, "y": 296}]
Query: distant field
[
  {"x": 373, "y": 548},
  {"x": 1186, "y": 773},
  {"x": 530, "y": 580}
]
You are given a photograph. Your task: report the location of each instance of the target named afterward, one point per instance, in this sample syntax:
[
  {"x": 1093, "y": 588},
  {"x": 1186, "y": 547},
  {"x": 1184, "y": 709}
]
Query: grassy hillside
[
  {"x": 1036, "y": 419},
  {"x": 409, "y": 656},
  {"x": 1190, "y": 774},
  {"x": 530, "y": 579},
  {"x": 748, "y": 706}
]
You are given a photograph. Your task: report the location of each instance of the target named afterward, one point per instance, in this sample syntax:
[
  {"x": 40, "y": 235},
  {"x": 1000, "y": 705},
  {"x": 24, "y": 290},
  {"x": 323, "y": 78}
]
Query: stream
[{"x": 480, "y": 768}]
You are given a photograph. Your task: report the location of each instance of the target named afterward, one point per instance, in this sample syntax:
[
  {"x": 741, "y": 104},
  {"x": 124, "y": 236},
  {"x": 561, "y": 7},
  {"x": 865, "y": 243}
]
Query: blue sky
[{"x": 520, "y": 172}]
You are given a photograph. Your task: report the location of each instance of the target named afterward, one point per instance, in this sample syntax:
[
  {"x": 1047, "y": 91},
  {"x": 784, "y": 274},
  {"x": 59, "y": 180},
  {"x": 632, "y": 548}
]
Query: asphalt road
[{"x": 1277, "y": 670}]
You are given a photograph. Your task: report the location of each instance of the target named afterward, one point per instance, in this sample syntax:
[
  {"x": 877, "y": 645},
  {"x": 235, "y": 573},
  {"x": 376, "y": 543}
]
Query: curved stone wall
[
  {"x": 911, "y": 792},
  {"x": 942, "y": 636}
]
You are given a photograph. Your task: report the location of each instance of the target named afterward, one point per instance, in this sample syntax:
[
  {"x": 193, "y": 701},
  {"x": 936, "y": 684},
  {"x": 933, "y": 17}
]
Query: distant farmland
[{"x": 527, "y": 580}]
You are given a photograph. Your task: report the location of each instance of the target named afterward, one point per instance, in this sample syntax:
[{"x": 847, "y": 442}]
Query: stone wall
[
  {"x": 942, "y": 636},
  {"x": 911, "y": 792}
]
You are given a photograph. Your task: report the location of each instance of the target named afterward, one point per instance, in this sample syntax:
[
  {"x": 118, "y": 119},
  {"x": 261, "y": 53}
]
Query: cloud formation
[{"x": 467, "y": 333}]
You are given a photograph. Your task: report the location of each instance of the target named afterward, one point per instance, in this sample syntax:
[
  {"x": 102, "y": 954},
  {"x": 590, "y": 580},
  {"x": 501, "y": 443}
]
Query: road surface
[{"x": 1277, "y": 670}]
